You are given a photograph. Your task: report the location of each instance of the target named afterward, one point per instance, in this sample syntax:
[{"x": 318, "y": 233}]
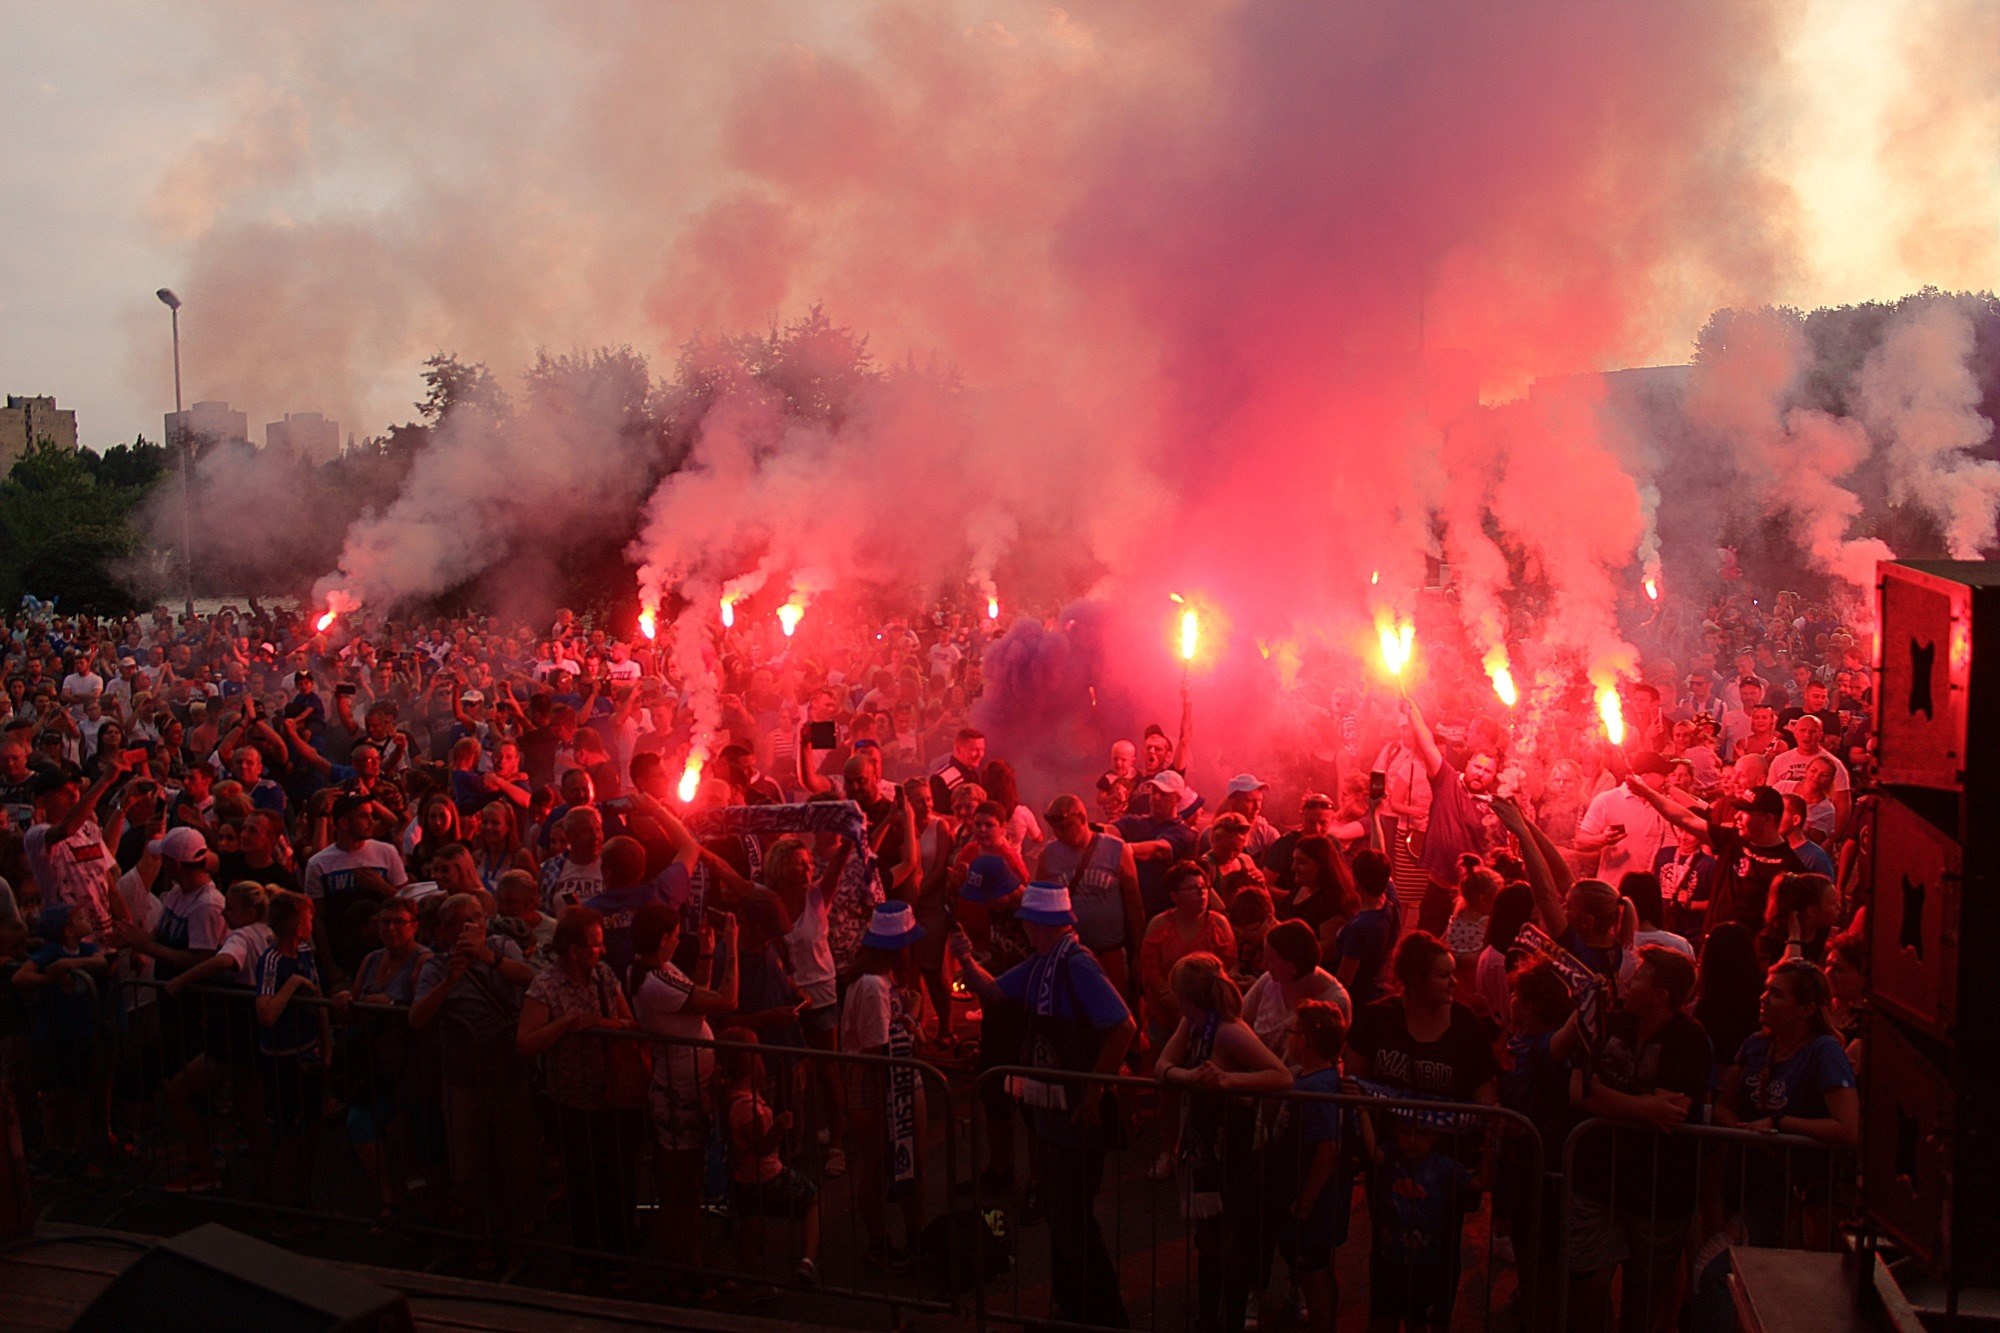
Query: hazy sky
[{"x": 147, "y": 145}]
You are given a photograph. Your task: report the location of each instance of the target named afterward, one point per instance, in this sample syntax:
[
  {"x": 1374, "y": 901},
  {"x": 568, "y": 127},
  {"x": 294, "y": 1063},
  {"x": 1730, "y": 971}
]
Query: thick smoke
[
  {"x": 1920, "y": 397},
  {"x": 1244, "y": 302}
]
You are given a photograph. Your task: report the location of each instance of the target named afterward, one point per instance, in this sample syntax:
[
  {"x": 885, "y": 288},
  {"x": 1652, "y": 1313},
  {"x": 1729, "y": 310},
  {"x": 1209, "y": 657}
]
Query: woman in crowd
[
  {"x": 436, "y": 828},
  {"x": 1641, "y": 888},
  {"x": 1022, "y": 830},
  {"x": 675, "y": 1007},
  {"x": 880, "y": 1016},
  {"x": 1325, "y": 898},
  {"x": 1804, "y": 911},
  {"x": 1513, "y": 908},
  {"x": 496, "y": 844},
  {"x": 1847, "y": 977},
  {"x": 1791, "y": 1077},
  {"x": 806, "y": 889},
  {"x": 294, "y": 1038},
  {"x": 1190, "y": 926},
  {"x": 1465, "y": 935},
  {"x": 377, "y": 1048},
  {"x": 1213, "y": 1053},
  {"x": 229, "y": 1041},
  {"x": 572, "y": 1000},
  {"x": 1292, "y": 977}
]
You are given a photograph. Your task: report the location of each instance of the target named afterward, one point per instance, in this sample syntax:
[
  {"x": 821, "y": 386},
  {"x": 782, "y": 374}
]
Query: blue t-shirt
[
  {"x": 1318, "y": 1122},
  {"x": 1794, "y": 1087},
  {"x": 1368, "y": 939},
  {"x": 1418, "y": 1204},
  {"x": 671, "y": 887},
  {"x": 297, "y": 1030},
  {"x": 63, "y": 1014},
  {"x": 1103, "y": 1007},
  {"x": 1816, "y": 859},
  {"x": 1153, "y": 874}
]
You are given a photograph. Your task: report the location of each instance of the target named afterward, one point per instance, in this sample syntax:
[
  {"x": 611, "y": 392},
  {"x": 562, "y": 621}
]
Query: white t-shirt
[
  {"x": 75, "y": 870},
  {"x": 82, "y": 685},
  {"x": 1789, "y": 769},
  {"x": 202, "y": 910},
  {"x": 331, "y": 870},
  {"x": 660, "y": 1006},
  {"x": 1645, "y": 832},
  {"x": 246, "y": 947},
  {"x": 576, "y": 883},
  {"x": 1265, "y": 1010},
  {"x": 624, "y": 673},
  {"x": 865, "y": 1013},
  {"x": 811, "y": 953}
]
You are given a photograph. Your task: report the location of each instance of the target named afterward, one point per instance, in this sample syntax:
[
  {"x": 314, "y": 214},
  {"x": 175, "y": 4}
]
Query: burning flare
[
  {"x": 1190, "y": 634},
  {"x": 690, "y": 779},
  {"x": 1612, "y": 711},
  {"x": 1398, "y": 641},
  {"x": 728, "y": 611},
  {"x": 325, "y": 622},
  {"x": 647, "y": 626},
  {"x": 1502, "y": 677},
  {"x": 1652, "y": 587},
  {"x": 789, "y": 616},
  {"x": 993, "y": 608}
]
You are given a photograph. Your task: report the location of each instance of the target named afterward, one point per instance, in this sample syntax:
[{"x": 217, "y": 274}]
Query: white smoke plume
[{"x": 1920, "y": 398}]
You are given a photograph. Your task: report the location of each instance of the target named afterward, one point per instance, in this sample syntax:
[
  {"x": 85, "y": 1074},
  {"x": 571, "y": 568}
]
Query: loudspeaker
[
  {"x": 1939, "y": 684},
  {"x": 214, "y": 1280},
  {"x": 1930, "y": 1077},
  {"x": 1906, "y": 1136},
  {"x": 1916, "y": 872}
]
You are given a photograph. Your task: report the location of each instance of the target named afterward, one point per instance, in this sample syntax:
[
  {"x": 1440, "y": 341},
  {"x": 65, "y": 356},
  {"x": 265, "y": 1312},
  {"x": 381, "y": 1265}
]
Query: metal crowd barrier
[
  {"x": 1142, "y": 1262},
  {"x": 511, "y": 1176},
  {"x": 1665, "y": 1236}
]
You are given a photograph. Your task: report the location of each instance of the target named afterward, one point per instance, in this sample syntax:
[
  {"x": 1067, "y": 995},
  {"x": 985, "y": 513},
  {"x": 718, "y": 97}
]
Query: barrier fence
[
  {"x": 611, "y": 1175},
  {"x": 1648, "y": 1218}
]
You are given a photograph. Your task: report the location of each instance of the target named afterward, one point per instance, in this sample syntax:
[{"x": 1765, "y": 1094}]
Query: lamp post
[{"x": 173, "y": 303}]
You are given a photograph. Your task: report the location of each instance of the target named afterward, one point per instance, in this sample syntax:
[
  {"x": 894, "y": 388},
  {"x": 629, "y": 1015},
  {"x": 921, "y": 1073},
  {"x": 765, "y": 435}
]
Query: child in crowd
[
  {"x": 60, "y": 980},
  {"x": 1417, "y": 1200},
  {"x": 1305, "y": 1151},
  {"x": 760, "y": 1184}
]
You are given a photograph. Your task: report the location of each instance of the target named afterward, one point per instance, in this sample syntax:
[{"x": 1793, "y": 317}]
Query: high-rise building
[
  {"x": 25, "y": 420},
  {"x": 207, "y": 425},
  {"x": 308, "y": 434}
]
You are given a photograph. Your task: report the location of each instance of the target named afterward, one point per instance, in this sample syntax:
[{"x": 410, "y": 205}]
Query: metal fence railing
[
  {"x": 618, "y": 1180},
  {"x": 348, "y": 1120},
  {"x": 1200, "y": 1249},
  {"x": 1646, "y": 1219}
]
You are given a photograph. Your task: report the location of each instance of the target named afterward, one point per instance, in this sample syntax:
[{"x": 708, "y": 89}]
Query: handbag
[{"x": 628, "y": 1065}]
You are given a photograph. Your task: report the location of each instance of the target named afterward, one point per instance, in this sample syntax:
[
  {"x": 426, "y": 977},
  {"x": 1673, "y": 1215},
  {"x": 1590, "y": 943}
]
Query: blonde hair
[
  {"x": 247, "y": 895},
  {"x": 1199, "y": 980}
]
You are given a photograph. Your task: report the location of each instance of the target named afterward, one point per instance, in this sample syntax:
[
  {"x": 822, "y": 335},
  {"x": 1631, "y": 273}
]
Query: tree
[
  {"x": 450, "y": 385},
  {"x": 62, "y": 532}
]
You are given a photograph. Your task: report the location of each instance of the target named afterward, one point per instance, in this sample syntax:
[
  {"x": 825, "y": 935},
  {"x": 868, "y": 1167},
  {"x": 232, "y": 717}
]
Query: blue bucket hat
[
  {"x": 1045, "y": 905},
  {"x": 988, "y": 879},
  {"x": 893, "y": 926}
]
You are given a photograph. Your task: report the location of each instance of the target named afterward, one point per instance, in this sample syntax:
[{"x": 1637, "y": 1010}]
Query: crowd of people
[{"x": 447, "y": 867}]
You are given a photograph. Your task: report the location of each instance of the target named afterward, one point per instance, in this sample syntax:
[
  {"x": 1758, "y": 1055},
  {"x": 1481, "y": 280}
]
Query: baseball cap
[
  {"x": 1765, "y": 801},
  {"x": 1230, "y": 820},
  {"x": 1244, "y": 783},
  {"x": 1648, "y": 761},
  {"x": 180, "y": 844},
  {"x": 1168, "y": 781},
  {"x": 472, "y": 697},
  {"x": 1316, "y": 800}
]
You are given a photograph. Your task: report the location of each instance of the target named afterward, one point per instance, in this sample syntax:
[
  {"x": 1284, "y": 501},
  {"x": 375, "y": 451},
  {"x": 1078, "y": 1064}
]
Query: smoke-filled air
[{"x": 1292, "y": 310}]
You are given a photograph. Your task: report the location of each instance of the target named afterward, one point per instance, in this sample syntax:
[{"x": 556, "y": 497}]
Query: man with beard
[{"x": 1461, "y": 803}]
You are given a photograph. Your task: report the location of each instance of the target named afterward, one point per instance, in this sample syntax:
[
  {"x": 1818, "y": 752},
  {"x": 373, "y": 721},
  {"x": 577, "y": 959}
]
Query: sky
[{"x": 337, "y": 190}]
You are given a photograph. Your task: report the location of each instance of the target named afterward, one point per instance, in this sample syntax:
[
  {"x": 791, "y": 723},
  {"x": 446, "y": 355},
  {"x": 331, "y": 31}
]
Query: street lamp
[{"x": 173, "y": 303}]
